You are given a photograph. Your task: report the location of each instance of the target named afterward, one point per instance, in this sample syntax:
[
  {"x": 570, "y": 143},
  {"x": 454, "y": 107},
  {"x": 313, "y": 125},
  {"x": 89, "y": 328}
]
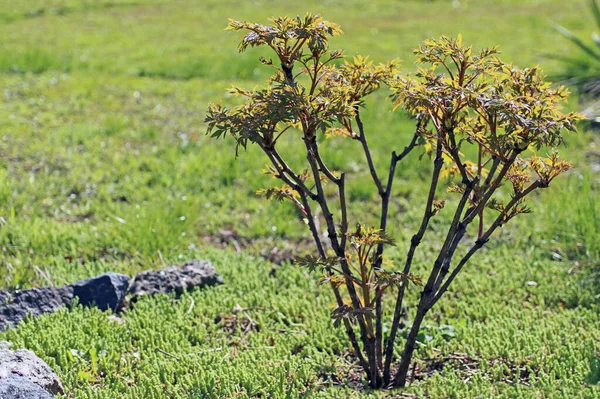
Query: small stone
[
  {"x": 16, "y": 305},
  {"x": 25, "y": 363},
  {"x": 177, "y": 279},
  {"x": 532, "y": 283},
  {"x": 116, "y": 319},
  {"x": 5, "y": 345},
  {"x": 106, "y": 291}
]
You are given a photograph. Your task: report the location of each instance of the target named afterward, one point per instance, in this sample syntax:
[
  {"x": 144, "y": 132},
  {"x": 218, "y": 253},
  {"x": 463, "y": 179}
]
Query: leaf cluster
[
  {"x": 485, "y": 114},
  {"x": 287, "y": 36},
  {"x": 321, "y": 96}
]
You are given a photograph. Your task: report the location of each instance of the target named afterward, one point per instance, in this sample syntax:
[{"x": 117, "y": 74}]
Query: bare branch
[
  {"x": 455, "y": 234},
  {"x": 409, "y": 147},
  {"x": 363, "y": 140},
  {"x": 453, "y": 149},
  {"x": 338, "y": 297},
  {"x": 385, "y": 200},
  {"x": 485, "y": 196},
  {"x": 323, "y": 168},
  {"x": 415, "y": 241},
  {"x": 287, "y": 174},
  {"x": 344, "y": 210},
  {"x": 481, "y": 241}
]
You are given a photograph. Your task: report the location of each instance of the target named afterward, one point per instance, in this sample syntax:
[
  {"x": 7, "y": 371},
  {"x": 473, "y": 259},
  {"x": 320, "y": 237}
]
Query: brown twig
[{"x": 414, "y": 243}]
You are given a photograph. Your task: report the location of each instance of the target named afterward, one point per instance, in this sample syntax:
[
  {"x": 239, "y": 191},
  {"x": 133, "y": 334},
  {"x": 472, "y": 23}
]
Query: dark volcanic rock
[
  {"x": 16, "y": 305},
  {"x": 17, "y": 387},
  {"x": 176, "y": 279},
  {"x": 24, "y": 363},
  {"x": 106, "y": 291}
]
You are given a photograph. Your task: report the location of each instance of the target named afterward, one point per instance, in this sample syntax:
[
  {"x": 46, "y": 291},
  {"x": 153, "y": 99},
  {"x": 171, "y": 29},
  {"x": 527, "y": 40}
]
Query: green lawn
[{"x": 104, "y": 166}]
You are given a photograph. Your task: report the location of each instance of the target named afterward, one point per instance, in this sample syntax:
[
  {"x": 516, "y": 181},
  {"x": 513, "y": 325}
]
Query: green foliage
[
  {"x": 491, "y": 110},
  {"x": 129, "y": 148},
  {"x": 204, "y": 357}
]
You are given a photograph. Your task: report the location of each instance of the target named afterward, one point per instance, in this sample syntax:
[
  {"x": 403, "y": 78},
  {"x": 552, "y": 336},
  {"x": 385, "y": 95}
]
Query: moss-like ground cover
[{"x": 104, "y": 166}]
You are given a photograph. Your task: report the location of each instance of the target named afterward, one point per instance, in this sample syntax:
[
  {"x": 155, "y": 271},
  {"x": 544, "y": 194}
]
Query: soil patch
[
  {"x": 467, "y": 366},
  {"x": 276, "y": 251}
]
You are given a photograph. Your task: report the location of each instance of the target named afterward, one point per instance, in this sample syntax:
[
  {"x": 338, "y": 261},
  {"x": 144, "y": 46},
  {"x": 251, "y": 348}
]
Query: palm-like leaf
[
  {"x": 583, "y": 68},
  {"x": 577, "y": 41}
]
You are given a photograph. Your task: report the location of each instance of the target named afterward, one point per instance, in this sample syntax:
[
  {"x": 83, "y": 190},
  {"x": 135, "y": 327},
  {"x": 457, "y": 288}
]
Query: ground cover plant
[
  {"x": 104, "y": 166},
  {"x": 471, "y": 99}
]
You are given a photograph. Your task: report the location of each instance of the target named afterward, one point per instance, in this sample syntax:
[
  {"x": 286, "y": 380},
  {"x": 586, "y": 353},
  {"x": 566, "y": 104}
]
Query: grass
[{"x": 104, "y": 166}]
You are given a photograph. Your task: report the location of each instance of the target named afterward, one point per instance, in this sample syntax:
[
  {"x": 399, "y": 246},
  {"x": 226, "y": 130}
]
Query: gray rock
[
  {"x": 16, "y": 305},
  {"x": 5, "y": 345},
  {"x": 106, "y": 291},
  {"x": 25, "y": 363},
  {"x": 178, "y": 279},
  {"x": 17, "y": 387}
]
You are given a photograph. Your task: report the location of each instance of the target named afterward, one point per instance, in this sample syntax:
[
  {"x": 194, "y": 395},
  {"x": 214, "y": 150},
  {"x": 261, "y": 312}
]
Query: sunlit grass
[{"x": 104, "y": 166}]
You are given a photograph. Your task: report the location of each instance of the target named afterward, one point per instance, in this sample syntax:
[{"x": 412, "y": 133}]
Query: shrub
[{"x": 475, "y": 116}]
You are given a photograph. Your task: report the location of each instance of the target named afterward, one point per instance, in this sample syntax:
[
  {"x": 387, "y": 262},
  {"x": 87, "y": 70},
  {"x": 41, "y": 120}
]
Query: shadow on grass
[{"x": 594, "y": 376}]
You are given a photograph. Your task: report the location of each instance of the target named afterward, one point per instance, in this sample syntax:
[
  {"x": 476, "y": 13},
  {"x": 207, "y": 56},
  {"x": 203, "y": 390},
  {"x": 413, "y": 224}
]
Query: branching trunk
[
  {"x": 409, "y": 348},
  {"x": 385, "y": 194},
  {"x": 471, "y": 100},
  {"x": 416, "y": 240}
]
